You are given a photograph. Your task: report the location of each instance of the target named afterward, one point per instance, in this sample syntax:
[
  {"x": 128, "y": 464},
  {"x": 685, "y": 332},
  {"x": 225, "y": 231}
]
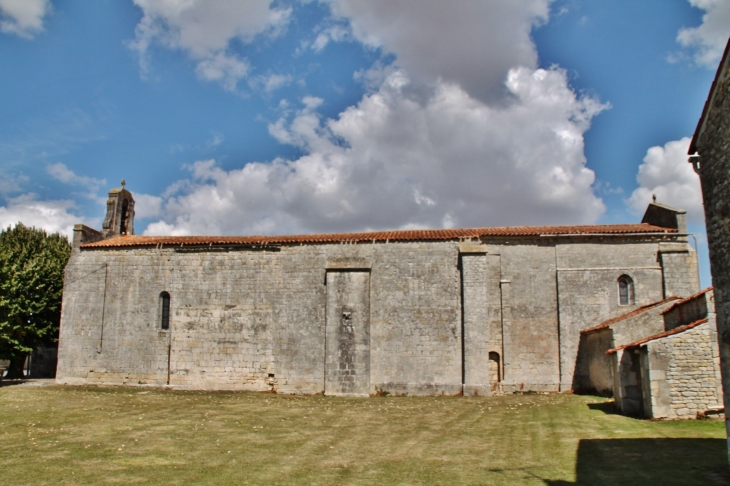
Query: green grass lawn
[{"x": 70, "y": 435}]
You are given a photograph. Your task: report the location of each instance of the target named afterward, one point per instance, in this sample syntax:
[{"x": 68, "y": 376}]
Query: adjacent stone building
[
  {"x": 710, "y": 156},
  {"x": 595, "y": 366},
  {"x": 675, "y": 373},
  {"x": 474, "y": 311}
]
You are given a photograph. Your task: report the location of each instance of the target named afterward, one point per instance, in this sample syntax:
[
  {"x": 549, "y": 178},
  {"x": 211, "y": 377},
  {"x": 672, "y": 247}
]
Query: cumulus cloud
[
  {"x": 204, "y": 31},
  {"x": 710, "y": 38},
  {"x": 23, "y": 17},
  {"x": 473, "y": 44},
  {"x": 147, "y": 206},
  {"x": 667, "y": 174},
  {"x": 62, "y": 173},
  {"x": 50, "y": 215},
  {"x": 462, "y": 129},
  {"x": 395, "y": 161}
]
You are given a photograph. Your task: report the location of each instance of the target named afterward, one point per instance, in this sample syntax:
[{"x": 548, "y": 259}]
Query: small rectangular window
[{"x": 164, "y": 310}]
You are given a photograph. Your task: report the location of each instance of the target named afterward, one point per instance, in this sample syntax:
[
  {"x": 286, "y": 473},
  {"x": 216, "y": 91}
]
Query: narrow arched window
[
  {"x": 164, "y": 310},
  {"x": 625, "y": 290}
]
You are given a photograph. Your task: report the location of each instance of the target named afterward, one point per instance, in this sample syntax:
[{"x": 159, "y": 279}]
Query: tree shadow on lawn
[{"x": 650, "y": 461}]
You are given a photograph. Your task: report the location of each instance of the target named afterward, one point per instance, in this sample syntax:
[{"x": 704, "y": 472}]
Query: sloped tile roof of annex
[
  {"x": 635, "y": 312},
  {"x": 376, "y": 236},
  {"x": 687, "y": 299},
  {"x": 664, "y": 334}
]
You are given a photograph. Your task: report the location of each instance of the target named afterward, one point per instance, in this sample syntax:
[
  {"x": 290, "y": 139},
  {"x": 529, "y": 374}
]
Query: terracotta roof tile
[
  {"x": 676, "y": 330},
  {"x": 373, "y": 236},
  {"x": 687, "y": 299},
  {"x": 633, "y": 313}
]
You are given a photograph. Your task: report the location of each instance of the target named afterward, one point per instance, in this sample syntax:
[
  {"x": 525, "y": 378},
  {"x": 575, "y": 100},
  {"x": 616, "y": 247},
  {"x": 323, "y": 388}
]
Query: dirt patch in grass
[{"x": 73, "y": 435}]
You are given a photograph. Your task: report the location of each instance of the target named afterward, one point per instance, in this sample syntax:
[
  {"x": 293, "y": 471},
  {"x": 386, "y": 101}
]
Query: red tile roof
[
  {"x": 687, "y": 299},
  {"x": 373, "y": 236},
  {"x": 676, "y": 330},
  {"x": 633, "y": 313}
]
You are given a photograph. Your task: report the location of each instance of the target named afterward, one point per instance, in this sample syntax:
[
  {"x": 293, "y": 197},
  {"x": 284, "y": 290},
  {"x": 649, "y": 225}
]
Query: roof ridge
[{"x": 396, "y": 235}]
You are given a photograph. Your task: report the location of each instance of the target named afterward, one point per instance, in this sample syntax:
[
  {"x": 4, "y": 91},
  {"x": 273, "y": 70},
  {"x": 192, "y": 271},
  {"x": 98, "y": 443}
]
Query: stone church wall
[
  {"x": 256, "y": 319},
  {"x": 587, "y": 277},
  {"x": 443, "y": 317}
]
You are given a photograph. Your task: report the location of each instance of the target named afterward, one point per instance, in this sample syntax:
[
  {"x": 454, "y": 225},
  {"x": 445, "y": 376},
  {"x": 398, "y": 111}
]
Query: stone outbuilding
[
  {"x": 594, "y": 368},
  {"x": 673, "y": 374}
]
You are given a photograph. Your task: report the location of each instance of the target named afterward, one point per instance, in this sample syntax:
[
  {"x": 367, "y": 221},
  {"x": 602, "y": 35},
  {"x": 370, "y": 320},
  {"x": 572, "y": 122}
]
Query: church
[{"x": 474, "y": 311}]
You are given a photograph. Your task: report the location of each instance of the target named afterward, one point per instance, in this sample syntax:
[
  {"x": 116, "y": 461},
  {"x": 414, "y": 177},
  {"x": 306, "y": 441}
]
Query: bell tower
[{"x": 119, "y": 218}]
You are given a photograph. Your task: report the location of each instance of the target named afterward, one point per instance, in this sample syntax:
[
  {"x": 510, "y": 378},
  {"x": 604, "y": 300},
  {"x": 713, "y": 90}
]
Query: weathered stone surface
[
  {"x": 441, "y": 315},
  {"x": 682, "y": 374},
  {"x": 712, "y": 143}
]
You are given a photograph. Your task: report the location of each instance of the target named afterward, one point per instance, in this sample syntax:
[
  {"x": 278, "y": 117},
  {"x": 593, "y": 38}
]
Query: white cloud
[
  {"x": 471, "y": 43},
  {"x": 666, "y": 173},
  {"x": 147, "y": 206},
  {"x": 215, "y": 141},
  {"x": 204, "y": 31},
  {"x": 335, "y": 33},
  {"x": 50, "y": 215},
  {"x": 23, "y": 17},
  {"x": 10, "y": 183},
  {"x": 62, "y": 173},
  {"x": 271, "y": 82},
  {"x": 710, "y": 38},
  {"x": 395, "y": 160},
  {"x": 223, "y": 67},
  {"x": 462, "y": 130}
]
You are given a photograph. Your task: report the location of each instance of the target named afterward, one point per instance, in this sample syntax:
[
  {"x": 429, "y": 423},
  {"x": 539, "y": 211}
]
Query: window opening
[
  {"x": 165, "y": 310},
  {"x": 625, "y": 290},
  {"x": 123, "y": 223}
]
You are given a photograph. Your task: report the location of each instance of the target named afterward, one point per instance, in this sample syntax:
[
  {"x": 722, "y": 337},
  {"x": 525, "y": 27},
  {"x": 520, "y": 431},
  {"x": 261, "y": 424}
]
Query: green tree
[{"x": 31, "y": 286}]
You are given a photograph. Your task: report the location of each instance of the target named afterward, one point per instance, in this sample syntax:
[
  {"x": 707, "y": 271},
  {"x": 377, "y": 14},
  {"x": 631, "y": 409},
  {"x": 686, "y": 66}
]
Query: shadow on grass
[
  {"x": 27, "y": 382},
  {"x": 650, "y": 461},
  {"x": 609, "y": 408}
]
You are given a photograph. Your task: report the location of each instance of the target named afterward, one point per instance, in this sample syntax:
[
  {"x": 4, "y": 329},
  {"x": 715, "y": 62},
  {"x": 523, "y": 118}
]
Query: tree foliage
[{"x": 31, "y": 285}]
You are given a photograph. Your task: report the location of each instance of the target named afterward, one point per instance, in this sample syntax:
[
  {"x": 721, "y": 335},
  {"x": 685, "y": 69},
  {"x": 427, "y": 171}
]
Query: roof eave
[{"x": 695, "y": 138}]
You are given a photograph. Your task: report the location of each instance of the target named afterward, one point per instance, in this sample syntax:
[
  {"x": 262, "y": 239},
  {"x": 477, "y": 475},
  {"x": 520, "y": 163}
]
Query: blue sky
[{"x": 258, "y": 117}]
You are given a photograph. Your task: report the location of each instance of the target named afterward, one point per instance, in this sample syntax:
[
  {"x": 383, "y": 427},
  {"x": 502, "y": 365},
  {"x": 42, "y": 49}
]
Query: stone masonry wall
[
  {"x": 713, "y": 146},
  {"x": 676, "y": 259},
  {"x": 476, "y": 322},
  {"x": 587, "y": 279},
  {"x": 690, "y": 311},
  {"x": 684, "y": 373},
  {"x": 594, "y": 369},
  {"x": 256, "y": 319},
  {"x": 530, "y": 333},
  {"x": 640, "y": 326}
]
